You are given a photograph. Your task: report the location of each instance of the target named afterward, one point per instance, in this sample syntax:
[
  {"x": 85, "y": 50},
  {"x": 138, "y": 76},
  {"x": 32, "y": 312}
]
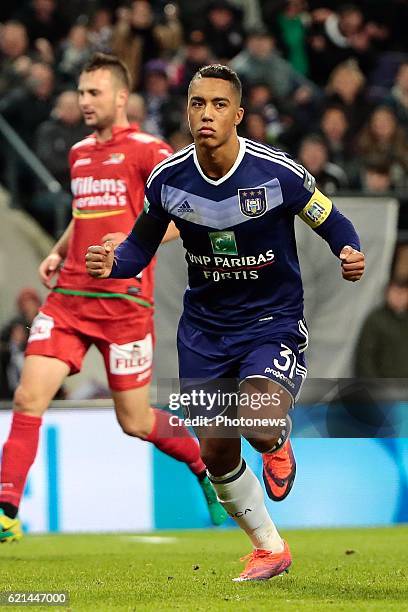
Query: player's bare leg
[
  {"x": 40, "y": 380},
  {"x": 137, "y": 418},
  {"x": 279, "y": 463},
  {"x": 133, "y": 411},
  {"x": 241, "y": 494}
]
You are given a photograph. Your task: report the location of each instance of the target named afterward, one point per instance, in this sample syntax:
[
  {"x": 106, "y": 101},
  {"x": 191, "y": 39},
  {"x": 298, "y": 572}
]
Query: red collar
[{"x": 118, "y": 131}]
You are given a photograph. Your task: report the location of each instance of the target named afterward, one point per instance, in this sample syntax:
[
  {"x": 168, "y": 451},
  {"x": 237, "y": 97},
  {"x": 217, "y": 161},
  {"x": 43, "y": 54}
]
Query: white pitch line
[{"x": 151, "y": 539}]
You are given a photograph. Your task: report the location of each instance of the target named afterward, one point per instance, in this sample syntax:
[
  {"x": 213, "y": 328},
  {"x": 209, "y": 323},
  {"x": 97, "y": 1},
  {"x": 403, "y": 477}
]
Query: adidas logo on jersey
[{"x": 185, "y": 207}]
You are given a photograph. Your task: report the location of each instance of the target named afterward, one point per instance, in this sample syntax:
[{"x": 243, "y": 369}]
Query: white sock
[{"x": 241, "y": 494}]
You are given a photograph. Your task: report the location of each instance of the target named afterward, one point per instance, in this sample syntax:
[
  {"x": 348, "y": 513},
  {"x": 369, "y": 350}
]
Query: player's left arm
[
  {"x": 338, "y": 231},
  {"x": 301, "y": 197}
]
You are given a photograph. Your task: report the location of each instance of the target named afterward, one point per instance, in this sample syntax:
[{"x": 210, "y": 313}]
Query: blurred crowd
[
  {"x": 325, "y": 80},
  {"x": 13, "y": 340}
]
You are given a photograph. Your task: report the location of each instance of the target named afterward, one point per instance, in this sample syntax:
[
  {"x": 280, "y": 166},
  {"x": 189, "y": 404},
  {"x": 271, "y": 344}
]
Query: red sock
[
  {"x": 176, "y": 441},
  {"x": 18, "y": 455}
]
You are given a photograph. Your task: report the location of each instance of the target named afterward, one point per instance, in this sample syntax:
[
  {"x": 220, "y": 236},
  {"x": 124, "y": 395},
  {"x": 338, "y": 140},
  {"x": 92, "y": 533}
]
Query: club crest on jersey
[
  {"x": 252, "y": 201},
  {"x": 114, "y": 158}
]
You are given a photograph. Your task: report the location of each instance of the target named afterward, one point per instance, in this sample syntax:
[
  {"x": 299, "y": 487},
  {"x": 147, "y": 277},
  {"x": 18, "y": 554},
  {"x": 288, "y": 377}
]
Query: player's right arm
[
  {"x": 136, "y": 252},
  {"x": 117, "y": 238},
  {"x": 132, "y": 255},
  {"x": 50, "y": 265}
]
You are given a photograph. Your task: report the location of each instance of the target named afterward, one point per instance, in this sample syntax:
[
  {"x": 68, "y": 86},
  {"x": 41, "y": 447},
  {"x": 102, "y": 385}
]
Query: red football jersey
[{"x": 107, "y": 183}]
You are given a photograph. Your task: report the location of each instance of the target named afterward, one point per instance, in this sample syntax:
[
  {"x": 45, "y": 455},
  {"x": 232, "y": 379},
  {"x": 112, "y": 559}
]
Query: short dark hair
[
  {"x": 398, "y": 281},
  {"x": 348, "y": 7},
  {"x": 112, "y": 63},
  {"x": 378, "y": 165},
  {"x": 313, "y": 138},
  {"x": 219, "y": 71}
]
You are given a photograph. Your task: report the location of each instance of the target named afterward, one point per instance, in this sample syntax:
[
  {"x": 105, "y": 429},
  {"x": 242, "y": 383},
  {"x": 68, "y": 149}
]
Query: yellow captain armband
[{"x": 316, "y": 210}]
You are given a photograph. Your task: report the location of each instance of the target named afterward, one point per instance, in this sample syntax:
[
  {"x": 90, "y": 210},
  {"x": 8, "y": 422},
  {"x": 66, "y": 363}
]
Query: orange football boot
[
  {"x": 264, "y": 564},
  {"x": 279, "y": 471}
]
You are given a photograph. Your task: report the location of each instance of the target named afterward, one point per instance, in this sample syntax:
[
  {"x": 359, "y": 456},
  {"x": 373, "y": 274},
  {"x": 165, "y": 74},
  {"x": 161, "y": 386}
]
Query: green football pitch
[{"x": 344, "y": 569}]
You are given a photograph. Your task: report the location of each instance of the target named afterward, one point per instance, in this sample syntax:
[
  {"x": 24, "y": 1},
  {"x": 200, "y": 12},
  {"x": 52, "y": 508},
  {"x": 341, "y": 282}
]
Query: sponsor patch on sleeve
[
  {"x": 316, "y": 210},
  {"x": 146, "y": 205}
]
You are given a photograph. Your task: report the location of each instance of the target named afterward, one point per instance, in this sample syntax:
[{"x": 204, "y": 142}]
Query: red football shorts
[{"x": 122, "y": 331}]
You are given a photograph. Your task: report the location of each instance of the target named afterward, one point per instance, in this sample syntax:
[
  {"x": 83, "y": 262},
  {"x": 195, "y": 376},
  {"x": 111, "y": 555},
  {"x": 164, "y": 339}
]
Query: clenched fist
[
  {"x": 352, "y": 263},
  {"x": 99, "y": 260}
]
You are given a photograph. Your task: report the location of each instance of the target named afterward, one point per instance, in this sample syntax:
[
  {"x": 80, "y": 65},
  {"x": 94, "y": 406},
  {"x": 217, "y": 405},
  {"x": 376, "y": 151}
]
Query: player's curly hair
[
  {"x": 219, "y": 71},
  {"x": 112, "y": 63}
]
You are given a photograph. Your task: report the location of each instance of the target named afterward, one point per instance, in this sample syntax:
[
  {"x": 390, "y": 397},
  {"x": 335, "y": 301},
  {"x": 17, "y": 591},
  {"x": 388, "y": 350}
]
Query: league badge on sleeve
[
  {"x": 309, "y": 182},
  {"x": 252, "y": 201}
]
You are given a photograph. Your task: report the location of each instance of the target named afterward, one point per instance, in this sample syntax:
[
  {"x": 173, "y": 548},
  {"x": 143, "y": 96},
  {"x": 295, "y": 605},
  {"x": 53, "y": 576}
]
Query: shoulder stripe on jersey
[
  {"x": 276, "y": 160},
  {"x": 280, "y": 154},
  {"x": 167, "y": 163},
  {"x": 275, "y": 152},
  {"x": 82, "y": 143},
  {"x": 182, "y": 151},
  {"x": 169, "y": 159},
  {"x": 283, "y": 161}
]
